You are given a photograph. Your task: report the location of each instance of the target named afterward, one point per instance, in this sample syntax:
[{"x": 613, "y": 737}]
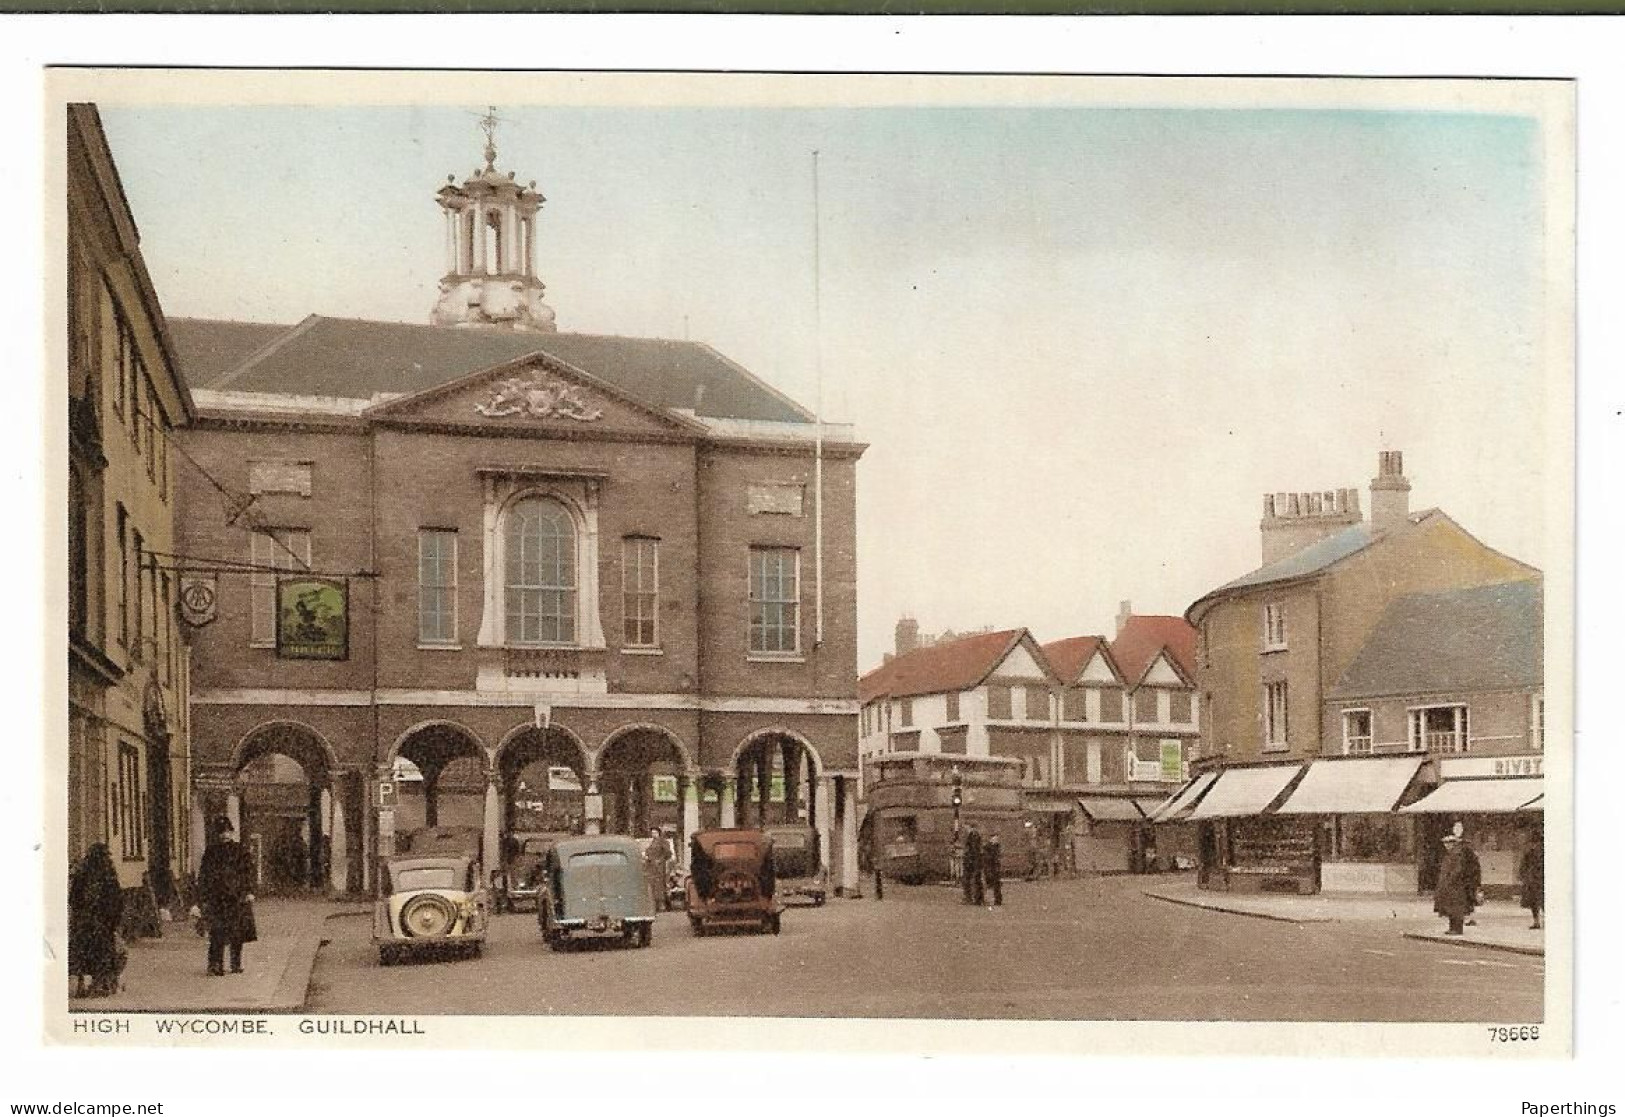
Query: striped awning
[
  {"x": 1102, "y": 808},
  {"x": 1490, "y": 796},
  {"x": 1179, "y": 803},
  {"x": 1368, "y": 785},
  {"x": 1245, "y": 791}
]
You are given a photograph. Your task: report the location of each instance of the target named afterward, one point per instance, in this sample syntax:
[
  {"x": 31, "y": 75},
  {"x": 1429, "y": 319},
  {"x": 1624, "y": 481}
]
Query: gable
[
  {"x": 1098, "y": 671},
  {"x": 1020, "y": 663},
  {"x": 1162, "y": 673},
  {"x": 535, "y": 395}
]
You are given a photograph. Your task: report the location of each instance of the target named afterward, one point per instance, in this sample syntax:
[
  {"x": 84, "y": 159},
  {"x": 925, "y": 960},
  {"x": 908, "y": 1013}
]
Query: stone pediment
[{"x": 535, "y": 394}]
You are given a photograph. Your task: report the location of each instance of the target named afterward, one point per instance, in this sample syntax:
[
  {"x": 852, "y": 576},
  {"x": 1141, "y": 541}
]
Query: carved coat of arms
[{"x": 539, "y": 399}]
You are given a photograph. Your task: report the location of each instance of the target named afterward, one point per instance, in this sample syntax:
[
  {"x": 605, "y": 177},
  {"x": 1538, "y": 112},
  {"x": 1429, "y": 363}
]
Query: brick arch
[
  {"x": 249, "y": 748},
  {"x": 755, "y": 736},
  {"x": 685, "y": 758},
  {"x": 438, "y": 723}
]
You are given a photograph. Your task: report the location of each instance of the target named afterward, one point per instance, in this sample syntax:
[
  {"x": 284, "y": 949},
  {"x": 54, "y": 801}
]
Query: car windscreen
[
  {"x": 737, "y": 851},
  {"x": 598, "y": 857},
  {"x": 435, "y": 876}
]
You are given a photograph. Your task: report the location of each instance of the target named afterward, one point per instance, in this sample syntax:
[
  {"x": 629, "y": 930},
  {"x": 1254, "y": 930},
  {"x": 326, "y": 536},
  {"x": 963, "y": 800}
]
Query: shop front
[
  {"x": 1500, "y": 803},
  {"x": 1362, "y": 845},
  {"x": 1244, "y": 848}
]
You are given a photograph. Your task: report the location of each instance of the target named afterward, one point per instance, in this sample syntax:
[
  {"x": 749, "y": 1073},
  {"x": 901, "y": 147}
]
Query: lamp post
[{"x": 956, "y": 854}]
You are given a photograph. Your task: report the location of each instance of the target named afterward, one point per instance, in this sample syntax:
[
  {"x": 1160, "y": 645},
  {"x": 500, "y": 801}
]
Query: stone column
[
  {"x": 339, "y": 836},
  {"x": 592, "y": 825},
  {"x": 234, "y": 811},
  {"x": 592, "y": 623},
  {"x": 764, "y": 784},
  {"x": 492, "y": 557},
  {"x": 492, "y": 846},
  {"x": 451, "y": 242},
  {"x": 821, "y": 818},
  {"x": 480, "y": 238},
  {"x": 849, "y": 835},
  {"x": 789, "y": 755},
  {"x": 689, "y": 790},
  {"x": 728, "y": 797}
]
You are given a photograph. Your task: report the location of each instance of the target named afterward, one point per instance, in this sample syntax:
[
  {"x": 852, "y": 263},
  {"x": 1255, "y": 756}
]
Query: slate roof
[
  {"x": 1144, "y": 636},
  {"x": 1311, "y": 560},
  {"x": 1070, "y": 656},
  {"x": 1479, "y": 639},
  {"x": 957, "y": 665},
  {"x": 351, "y": 358}
]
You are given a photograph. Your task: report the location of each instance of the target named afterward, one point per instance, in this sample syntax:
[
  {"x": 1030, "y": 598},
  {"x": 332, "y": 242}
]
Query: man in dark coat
[
  {"x": 95, "y": 906},
  {"x": 991, "y": 868},
  {"x": 1455, "y": 890},
  {"x": 971, "y": 869},
  {"x": 223, "y": 884},
  {"x": 1532, "y": 879}
]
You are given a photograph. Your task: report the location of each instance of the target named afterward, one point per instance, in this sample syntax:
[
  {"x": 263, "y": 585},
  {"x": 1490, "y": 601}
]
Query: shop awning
[
  {"x": 1183, "y": 798},
  {"x": 1539, "y": 804},
  {"x": 1496, "y": 796},
  {"x": 1245, "y": 791},
  {"x": 1365, "y": 786},
  {"x": 1148, "y": 807},
  {"x": 1104, "y": 809}
]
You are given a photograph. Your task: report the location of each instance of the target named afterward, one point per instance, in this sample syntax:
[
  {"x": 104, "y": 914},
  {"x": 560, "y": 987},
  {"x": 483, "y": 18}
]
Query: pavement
[
  {"x": 1499, "y": 925},
  {"x": 169, "y": 974}
]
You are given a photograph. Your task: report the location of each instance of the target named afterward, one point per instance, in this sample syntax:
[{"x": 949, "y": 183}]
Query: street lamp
[{"x": 956, "y": 797}]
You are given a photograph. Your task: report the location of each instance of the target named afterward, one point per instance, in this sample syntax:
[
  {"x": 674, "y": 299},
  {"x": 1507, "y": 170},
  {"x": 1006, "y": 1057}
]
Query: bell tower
[{"x": 490, "y": 280}]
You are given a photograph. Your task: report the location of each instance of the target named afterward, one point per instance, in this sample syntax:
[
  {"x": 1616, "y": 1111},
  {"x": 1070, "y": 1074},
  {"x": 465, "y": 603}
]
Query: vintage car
[
  {"x": 731, "y": 881},
  {"x": 797, "y": 867},
  {"x": 519, "y": 883},
  {"x": 434, "y": 903},
  {"x": 595, "y": 888}
]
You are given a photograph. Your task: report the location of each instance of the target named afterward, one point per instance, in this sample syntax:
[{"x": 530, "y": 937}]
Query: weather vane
[{"x": 489, "y": 123}]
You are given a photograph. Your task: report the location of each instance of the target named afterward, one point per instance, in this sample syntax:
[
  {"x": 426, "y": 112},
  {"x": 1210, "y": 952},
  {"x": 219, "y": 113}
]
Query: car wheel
[
  {"x": 818, "y": 900},
  {"x": 696, "y": 925},
  {"x": 646, "y": 934},
  {"x": 475, "y": 949},
  {"x": 775, "y": 923},
  {"x": 387, "y": 956}
]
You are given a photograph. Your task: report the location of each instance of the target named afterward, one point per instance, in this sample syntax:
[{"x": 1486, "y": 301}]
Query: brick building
[
  {"x": 561, "y": 553},
  {"x": 1303, "y": 780},
  {"x": 127, "y": 665}
]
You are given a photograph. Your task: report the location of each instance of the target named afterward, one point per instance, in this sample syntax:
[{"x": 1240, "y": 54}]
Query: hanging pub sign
[
  {"x": 312, "y": 618},
  {"x": 199, "y": 599}
]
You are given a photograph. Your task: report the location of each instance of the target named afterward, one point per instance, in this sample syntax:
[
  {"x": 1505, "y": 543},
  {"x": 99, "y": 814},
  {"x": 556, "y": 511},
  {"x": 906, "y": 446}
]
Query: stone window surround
[{"x": 579, "y": 494}]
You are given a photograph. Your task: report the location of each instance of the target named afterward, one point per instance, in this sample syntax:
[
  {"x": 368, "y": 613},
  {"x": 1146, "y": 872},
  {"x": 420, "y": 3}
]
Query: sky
[{"x": 1080, "y": 340}]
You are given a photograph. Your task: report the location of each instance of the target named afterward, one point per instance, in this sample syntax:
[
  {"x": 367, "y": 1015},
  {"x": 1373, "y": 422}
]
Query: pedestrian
[
  {"x": 972, "y": 867},
  {"x": 991, "y": 869},
  {"x": 1453, "y": 892},
  {"x": 1475, "y": 874},
  {"x": 226, "y": 903},
  {"x": 1532, "y": 878},
  {"x": 657, "y": 859},
  {"x": 95, "y": 907}
]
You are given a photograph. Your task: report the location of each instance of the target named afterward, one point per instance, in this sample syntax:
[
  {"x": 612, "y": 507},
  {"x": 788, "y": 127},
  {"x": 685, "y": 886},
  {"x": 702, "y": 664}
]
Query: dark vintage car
[
  {"x": 731, "y": 881},
  {"x": 797, "y": 865},
  {"x": 594, "y": 887},
  {"x": 520, "y": 881},
  {"x": 432, "y": 903}
]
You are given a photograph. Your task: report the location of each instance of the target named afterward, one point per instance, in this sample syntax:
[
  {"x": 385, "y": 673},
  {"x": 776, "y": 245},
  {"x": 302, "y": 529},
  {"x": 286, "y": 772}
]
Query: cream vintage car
[{"x": 431, "y": 903}]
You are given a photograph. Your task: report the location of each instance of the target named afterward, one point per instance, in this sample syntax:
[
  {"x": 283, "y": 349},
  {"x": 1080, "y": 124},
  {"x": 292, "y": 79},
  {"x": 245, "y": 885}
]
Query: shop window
[
  {"x": 1439, "y": 729},
  {"x": 1274, "y": 626},
  {"x": 1374, "y": 837},
  {"x": 775, "y": 600},
  {"x": 640, "y": 592},
  {"x": 1356, "y": 732},
  {"x": 1275, "y": 713},
  {"x": 437, "y": 586}
]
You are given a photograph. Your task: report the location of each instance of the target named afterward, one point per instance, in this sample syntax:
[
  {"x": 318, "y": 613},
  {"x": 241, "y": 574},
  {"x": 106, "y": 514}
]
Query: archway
[
  {"x": 776, "y": 773},
  {"x": 440, "y": 775},
  {"x": 291, "y": 813},
  {"x": 542, "y": 777}
]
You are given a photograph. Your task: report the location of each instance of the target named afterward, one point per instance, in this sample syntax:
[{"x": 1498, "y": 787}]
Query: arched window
[{"x": 540, "y": 573}]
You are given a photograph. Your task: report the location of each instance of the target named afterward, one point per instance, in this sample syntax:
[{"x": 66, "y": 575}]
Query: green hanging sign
[{"x": 312, "y": 618}]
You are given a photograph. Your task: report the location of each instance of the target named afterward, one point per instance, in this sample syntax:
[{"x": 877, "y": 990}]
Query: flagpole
[{"x": 818, "y": 418}]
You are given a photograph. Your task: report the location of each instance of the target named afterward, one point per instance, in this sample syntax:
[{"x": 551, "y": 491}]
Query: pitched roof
[
  {"x": 351, "y": 358},
  {"x": 1070, "y": 656},
  {"x": 1311, "y": 560},
  {"x": 1483, "y": 638},
  {"x": 957, "y": 665},
  {"x": 1142, "y": 637}
]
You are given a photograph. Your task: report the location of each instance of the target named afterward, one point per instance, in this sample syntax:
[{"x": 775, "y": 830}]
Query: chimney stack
[
  {"x": 1390, "y": 492},
  {"x": 907, "y": 635},
  {"x": 1125, "y": 610}
]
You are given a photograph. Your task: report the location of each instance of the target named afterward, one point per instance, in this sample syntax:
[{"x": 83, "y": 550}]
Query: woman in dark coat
[
  {"x": 1532, "y": 879},
  {"x": 95, "y": 906},
  {"x": 1455, "y": 891},
  {"x": 227, "y": 904}
]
